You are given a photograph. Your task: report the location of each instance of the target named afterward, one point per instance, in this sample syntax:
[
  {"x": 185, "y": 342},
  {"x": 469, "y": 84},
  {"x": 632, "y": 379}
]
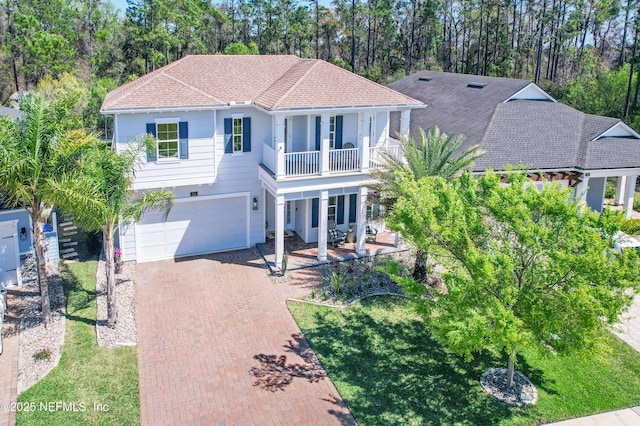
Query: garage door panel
[{"x": 193, "y": 227}]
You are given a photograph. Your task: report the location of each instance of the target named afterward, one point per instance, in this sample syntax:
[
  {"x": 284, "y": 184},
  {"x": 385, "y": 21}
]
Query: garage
[{"x": 194, "y": 226}]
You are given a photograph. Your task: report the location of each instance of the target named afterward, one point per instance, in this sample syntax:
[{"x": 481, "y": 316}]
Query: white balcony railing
[
  {"x": 269, "y": 158},
  {"x": 376, "y": 158},
  {"x": 302, "y": 163},
  {"x": 344, "y": 160}
]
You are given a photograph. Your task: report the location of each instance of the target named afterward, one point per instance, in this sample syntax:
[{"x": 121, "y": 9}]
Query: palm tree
[
  {"x": 30, "y": 157},
  {"x": 98, "y": 195},
  {"x": 434, "y": 154}
]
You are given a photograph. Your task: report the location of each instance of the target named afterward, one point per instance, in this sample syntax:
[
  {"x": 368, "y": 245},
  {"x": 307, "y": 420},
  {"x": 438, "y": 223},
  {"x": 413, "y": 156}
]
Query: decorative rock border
[
  {"x": 494, "y": 383},
  {"x": 34, "y": 337}
]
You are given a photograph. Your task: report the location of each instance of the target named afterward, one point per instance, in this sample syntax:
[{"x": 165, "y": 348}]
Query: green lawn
[
  {"x": 86, "y": 374},
  {"x": 389, "y": 370}
]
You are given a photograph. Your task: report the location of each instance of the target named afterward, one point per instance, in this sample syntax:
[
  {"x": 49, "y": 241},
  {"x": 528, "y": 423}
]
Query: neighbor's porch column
[
  {"x": 364, "y": 139},
  {"x": 361, "y": 221},
  {"x": 619, "y": 190},
  {"x": 280, "y": 146},
  {"x": 323, "y": 212},
  {"x": 629, "y": 192},
  {"x": 405, "y": 122},
  {"x": 580, "y": 190},
  {"x": 279, "y": 230},
  {"x": 324, "y": 144}
]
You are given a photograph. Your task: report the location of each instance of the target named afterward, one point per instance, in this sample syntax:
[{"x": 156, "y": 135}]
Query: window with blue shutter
[
  {"x": 353, "y": 200},
  {"x": 151, "y": 149},
  {"x": 183, "y": 131},
  {"x": 318, "y": 133},
  {"x": 340, "y": 212},
  {"x": 314, "y": 212},
  {"x": 246, "y": 134}
]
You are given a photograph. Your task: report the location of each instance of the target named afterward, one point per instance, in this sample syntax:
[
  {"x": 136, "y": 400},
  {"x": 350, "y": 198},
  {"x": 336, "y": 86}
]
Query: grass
[
  {"x": 86, "y": 374},
  {"x": 389, "y": 370}
]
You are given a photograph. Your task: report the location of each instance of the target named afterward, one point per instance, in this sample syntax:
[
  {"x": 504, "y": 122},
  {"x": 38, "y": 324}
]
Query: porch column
[
  {"x": 619, "y": 190},
  {"x": 364, "y": 139},
  {"x": 279, "y": 230},
  {"x": 280, "y": 147},
  {"x": 323, "y": 212},
  {"x": 324, "y": 144},
  {"x": 405, "y": 121},
  {"x": 361, "y": 221},
  {"x": 580, "y": 190},
  {"x": 629, "y": 192}
]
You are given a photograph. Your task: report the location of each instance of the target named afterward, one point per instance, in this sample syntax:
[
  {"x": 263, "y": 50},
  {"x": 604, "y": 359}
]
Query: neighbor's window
[
  {"x": 237, "y": 135},
  {"x": 167, "y": 140}
]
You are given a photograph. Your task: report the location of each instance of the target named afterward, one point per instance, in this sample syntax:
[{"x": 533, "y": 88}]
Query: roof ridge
[
  {"x": 297, "y": 82},
  {"x": 152, "y": 76},
  {"x": 279, "y": 78},
  {"x": 177, "y": 80}
]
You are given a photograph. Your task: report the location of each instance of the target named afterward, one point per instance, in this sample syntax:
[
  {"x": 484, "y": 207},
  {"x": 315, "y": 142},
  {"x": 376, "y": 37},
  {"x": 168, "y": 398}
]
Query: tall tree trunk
[
  {"x": 511, "y": 369},
  {"x": 420, "y": 266},
  {"x": 112, "y": 310},
  {"x": 623, "y": 40},
  {"x": 41, "y": 250},
  {"x": 478, "y": 69},
  {"x": 627, "y": 101}
]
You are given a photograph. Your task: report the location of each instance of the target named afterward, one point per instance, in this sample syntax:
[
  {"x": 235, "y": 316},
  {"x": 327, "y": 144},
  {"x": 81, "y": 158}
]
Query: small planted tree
[
  {"x": 99, "y": 196},
  {"x": 524, "y": 267}
]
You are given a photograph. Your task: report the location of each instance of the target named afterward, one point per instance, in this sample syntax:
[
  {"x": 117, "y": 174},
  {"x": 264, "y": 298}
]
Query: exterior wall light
[
  {"x": 255, "y": 203},
  {"x": 23, "y": 234}
]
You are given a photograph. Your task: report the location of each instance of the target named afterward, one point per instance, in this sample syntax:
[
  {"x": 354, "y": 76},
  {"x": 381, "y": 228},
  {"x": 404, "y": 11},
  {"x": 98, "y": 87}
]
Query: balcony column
[
  {"x": 279, "y": 230},
  {"x": 324, "y": 144},
  {"x": 280, "y": 146},
  {"x": 364, "y": 139},
  {"x": 323, "y": 212},
  {"x": 619, "y": 190},
  {"x": 405, "y": 122},
  {"x": 629, "y": 192},
  {"x": 361, "y": 221}
]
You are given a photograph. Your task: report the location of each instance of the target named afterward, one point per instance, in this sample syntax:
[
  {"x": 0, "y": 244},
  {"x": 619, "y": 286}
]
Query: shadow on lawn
[
  {"x": 389, "y": 369},
  {"x": 77, "y": 297}
]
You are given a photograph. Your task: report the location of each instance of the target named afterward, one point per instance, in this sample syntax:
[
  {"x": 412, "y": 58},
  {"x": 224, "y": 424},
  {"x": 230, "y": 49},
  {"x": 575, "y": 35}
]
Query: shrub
[
  {"x": 610, "y": 190},
  {"x": 336, "y": 281},
  {"x": 285, "y": 262},
  {"x": 43, "y": 355},
  {"x": 631, "y": 226}
]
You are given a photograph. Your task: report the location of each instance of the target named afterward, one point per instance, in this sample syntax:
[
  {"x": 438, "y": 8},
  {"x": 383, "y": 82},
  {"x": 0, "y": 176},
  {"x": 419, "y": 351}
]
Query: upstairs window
[
  {"x": 167, "y": 140},
  {"x": 172, "y": 140},
  {"x": 237, "y": 135}
]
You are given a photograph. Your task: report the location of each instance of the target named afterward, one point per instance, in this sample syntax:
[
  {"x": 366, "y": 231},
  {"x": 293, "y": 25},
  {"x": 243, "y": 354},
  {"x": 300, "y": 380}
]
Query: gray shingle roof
[
  {"x": 12, "y": 113},
  {"x": 538, "y": 134}
]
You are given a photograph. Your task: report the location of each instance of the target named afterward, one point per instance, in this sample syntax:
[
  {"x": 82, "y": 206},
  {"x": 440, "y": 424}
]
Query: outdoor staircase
[{"x": 68, "y": 233}]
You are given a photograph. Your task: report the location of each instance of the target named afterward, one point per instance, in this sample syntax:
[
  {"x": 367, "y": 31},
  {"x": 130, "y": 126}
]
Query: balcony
[{"x": 337, "y": 161}]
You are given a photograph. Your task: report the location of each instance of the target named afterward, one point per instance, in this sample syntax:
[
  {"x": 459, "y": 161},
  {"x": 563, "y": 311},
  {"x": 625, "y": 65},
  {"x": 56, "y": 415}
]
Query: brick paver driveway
[{"x": 218, "y": 346}]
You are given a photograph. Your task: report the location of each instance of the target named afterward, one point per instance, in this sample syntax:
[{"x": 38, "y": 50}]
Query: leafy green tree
[
  {"x": 433, "y": 154},
  {"x": 33, "y": 152},
  {"x": 524, "y": 267},
  {"x": 241, "y": 49},
  {"x": 98, "y": 194}
]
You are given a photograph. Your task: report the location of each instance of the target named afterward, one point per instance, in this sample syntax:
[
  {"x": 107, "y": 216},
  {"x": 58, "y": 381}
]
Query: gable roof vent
[
  {"x": 424, "y": 78},
  {"x": 476, "y": 85}
]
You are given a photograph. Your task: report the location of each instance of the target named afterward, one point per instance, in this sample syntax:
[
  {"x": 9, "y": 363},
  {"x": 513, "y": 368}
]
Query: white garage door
[{"x": 193, "y": 226}]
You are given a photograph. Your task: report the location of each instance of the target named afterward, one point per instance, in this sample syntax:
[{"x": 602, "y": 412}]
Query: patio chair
[
  {"x": 371, "y": 234},
  {"x": 334, "y": 235}
]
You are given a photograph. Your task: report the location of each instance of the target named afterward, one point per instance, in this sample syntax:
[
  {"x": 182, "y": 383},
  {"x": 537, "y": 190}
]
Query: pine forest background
[{"x": 584, "y": 52}]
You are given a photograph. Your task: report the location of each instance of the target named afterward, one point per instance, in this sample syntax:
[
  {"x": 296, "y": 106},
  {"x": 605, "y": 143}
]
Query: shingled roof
[
  {"x": 540, "y": 133},
  {"x": 12, "y": 113},
  {"x": 273, "y": 82}
]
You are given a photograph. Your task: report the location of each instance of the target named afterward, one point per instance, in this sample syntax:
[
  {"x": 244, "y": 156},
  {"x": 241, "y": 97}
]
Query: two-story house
[{"x": 251, "y": 146}]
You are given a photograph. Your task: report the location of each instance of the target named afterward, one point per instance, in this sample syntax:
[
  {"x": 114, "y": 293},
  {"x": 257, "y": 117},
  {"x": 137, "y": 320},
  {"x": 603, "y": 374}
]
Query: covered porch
[{"x": 304, "y": 255}]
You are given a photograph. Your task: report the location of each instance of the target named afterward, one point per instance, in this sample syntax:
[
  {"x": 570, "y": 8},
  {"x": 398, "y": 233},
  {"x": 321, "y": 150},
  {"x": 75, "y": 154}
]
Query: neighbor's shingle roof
[
  {"x": 270, "y": 81},
  {"x": 537, "y": 134},
  {"x": 12, "y": 113}
]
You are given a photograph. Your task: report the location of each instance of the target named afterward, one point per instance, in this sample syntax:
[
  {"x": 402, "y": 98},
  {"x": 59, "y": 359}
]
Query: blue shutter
[
  {"x": 318, "y": 134},
  {"x": 151, "y": 150},
  {"x": 228, "y": 135},
  {"x": 340, "y": 208},
  {"x": 183, "y": 134},
  {"x": 246, "y": 134},
  {"x": 353, "y": 199},
  {"x": 314, "y": 212},
  {"x": 338, "y": 138}
]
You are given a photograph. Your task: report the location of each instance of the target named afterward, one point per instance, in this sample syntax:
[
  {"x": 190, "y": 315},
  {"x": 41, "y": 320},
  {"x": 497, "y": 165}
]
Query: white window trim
[
  {"x": 332, "y": 141},
  {"x": 233, "y": 145},
  {"x": 167, "y": 160},
  {"x": 335, "y": 206}
]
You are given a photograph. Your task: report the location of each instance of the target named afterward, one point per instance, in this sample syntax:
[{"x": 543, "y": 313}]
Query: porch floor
[{"x": 305, "y": 255}]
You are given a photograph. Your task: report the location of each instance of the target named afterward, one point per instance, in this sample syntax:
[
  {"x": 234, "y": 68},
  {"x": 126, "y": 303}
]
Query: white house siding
[
  {"x": 299, "y": 137},
  {"x": 24, "y": 221},
  {"x": 350, "y": 129},
  {"x": 198, "y": 169},
  {"x": 595, "y": 193},
  {"x": 381, "y": 128},
  {"x": 303, "y": 218}
]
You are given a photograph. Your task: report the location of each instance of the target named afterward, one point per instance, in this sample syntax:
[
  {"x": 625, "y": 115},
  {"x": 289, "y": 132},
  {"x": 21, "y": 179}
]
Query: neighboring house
[
  {"x": 252, "y": 146},
  {"x": 518, "y": 123},
  {"x": 16, "y": 232}
]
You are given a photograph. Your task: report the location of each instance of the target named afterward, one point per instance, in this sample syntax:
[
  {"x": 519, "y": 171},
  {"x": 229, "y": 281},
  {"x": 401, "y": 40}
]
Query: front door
[
  {"x": 289, "y": 215},
  {"x": 9, "y": 253}
]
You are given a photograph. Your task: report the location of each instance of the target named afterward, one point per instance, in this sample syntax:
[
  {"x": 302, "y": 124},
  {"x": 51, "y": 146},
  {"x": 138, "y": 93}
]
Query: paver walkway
[
  {"x": 629, "y": 329},
  {"x": 218, "y": 346}
]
